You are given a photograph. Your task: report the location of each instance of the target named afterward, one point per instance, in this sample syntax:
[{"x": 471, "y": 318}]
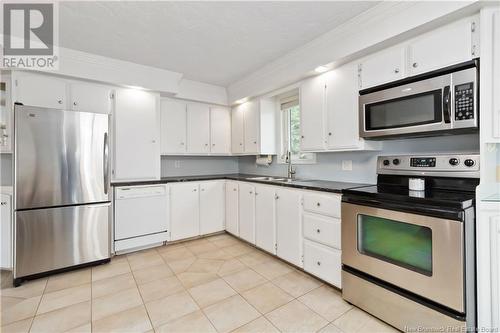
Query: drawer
[
  {"x": 323, "y": 262},
  {"x": 322, "y": 229},
  {"x": 323, "y": 204}
]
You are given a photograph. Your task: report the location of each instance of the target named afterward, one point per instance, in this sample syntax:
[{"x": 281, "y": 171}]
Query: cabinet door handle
[
  {"x": 396, "y": 70},
  {"x": 318, "y": 204},
  {"x": 330, "y": 133},
  {"x": 234, "y": 189},
  {"x": 415, "y": 65},
  {"x": 318, "y": 231},
  {"x": 250, "y": 192},
  {"x": 75, "y": 103},
  {"x": 182, "y": 143},
  {"x": 59, "y": 101},
  {"x": 203, "y": 190},
  {"x": 276, "y": 197},
  {"x": 195, "y": 190},
  {"x": 319, "y": 263}
]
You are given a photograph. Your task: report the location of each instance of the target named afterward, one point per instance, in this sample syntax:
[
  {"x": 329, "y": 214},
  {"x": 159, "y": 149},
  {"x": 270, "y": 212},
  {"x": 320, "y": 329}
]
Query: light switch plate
[{"x": 347, "y": 165}]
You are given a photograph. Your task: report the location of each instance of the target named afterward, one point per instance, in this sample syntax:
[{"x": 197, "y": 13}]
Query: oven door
[
  {"x": 415, "y": 108},
  {"x": 424, "y": 255}
]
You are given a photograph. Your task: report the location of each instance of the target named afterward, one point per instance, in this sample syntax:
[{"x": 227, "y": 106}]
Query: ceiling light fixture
[{"x": 321, "y": 69}]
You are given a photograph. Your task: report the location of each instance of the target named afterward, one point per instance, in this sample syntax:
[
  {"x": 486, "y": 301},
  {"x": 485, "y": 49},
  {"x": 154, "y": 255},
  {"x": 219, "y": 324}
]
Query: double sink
[{"x": 275, "y": 179}]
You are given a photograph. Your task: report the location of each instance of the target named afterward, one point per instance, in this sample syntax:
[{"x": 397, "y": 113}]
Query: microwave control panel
[{"x": 464, "y": 101}]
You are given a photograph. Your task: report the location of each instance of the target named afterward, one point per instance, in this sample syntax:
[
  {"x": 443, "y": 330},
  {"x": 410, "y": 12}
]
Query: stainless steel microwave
[{"x": 446, "y": 103}]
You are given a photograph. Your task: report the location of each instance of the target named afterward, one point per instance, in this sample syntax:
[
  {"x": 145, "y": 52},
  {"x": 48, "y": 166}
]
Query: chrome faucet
[{"x": 291, "y": 169}]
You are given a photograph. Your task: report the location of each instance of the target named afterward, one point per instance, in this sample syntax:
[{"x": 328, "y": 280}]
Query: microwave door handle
[{"x": 447, "y": 104}]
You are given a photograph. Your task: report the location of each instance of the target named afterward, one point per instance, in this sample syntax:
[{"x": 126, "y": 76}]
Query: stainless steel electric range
[{"x": 408, "y": 255}]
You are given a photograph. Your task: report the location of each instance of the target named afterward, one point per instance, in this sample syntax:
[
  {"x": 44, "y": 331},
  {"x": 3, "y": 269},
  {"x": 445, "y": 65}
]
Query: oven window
[
  {"x": 403, "y": 244},
  {"x": 419, "y": 109}
]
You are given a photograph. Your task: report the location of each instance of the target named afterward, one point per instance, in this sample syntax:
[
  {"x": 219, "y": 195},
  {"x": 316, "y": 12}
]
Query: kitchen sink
[{"x": 273, "y": 179}]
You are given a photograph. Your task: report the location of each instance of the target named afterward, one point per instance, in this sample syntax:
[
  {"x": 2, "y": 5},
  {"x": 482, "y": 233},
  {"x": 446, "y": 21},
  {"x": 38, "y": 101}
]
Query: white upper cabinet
[
  {"x": 173, "y": 126},
  {"x": 212, "y": 215},
  {"x": 198, "y": 128},
  {"x": 265, "y": 227},
  {"x": 496, "y": 76},
  {"x": 40, "y": 90},
  {"x": 220, "y": 130},
  {"x": 232, "y": 207},
  {"x": 448, "y": 45},
  {"x": 247, "y": 212},
  {"x": 381, "y": 67},
  {"x": 136, "y": 135},
  {"x": 445, "y": 46},
  {"x": 288, "y": 226},
  {"x": 184, "y": 210},
  {"x": 237, "y": 129},
  {"x": 254, "y": 127},
  {"x": 312, "y": 114},
  {"x": 342, "y": 109},
  {"x": 251, "y": 127},
  {"x": 90, "y": 97}
]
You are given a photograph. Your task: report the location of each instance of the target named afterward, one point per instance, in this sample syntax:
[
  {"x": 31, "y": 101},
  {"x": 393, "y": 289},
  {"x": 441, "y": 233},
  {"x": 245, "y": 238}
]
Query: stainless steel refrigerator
[{"x": 61, "y": 190}]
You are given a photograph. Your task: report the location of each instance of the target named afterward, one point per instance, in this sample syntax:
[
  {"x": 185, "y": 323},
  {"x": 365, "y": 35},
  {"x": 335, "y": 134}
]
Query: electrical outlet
[
  {"x": 177, "y": 164},
  {"x": 347, "y": 165}
]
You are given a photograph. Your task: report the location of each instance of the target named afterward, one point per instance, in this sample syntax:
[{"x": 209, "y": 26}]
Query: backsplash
[
  {"x": 197, "y": 165},
  {"x": 329, "y": 165}
]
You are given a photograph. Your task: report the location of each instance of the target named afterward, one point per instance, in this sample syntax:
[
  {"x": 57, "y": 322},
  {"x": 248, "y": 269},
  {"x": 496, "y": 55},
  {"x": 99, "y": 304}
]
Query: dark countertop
[{"x": 315, "y": 185}]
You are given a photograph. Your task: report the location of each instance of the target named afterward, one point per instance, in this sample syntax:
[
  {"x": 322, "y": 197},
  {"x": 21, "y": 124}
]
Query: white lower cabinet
[
  {"x": 288, "y": 225},
  {"x": 322, "y": 229},
  {"x": 265, "y": 227},
  {"x": 323, "y": 261},
  {"x": 211, "y": 207},
  {"x": 184, "y": 211},
  {"x": 232, "y": 207},
  {"x": 247, "y": 212}
]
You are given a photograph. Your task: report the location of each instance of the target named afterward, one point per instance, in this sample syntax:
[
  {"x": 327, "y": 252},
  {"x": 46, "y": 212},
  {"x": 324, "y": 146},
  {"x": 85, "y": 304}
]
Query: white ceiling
[{"x": 212, "y": 42}]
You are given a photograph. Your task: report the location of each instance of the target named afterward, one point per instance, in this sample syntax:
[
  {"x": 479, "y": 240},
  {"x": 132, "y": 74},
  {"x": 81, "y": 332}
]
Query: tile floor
[{"x": 214, "y": 284}]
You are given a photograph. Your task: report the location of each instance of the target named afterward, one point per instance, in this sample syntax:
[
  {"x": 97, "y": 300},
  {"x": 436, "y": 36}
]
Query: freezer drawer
[
  {"x": 140, "y": 211},
  {"x": 54, "y": 238}
]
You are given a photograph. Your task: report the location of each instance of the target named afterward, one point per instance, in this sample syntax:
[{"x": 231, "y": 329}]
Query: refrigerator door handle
[{"x": 106, "y": 163}]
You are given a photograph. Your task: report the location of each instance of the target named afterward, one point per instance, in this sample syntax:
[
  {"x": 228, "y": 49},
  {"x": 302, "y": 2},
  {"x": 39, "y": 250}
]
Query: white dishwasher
[{"x": 141, "y": 216}]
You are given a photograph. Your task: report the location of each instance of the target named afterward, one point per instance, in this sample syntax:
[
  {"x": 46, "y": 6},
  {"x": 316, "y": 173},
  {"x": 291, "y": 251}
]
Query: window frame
[{"x": 284, "y": 105}]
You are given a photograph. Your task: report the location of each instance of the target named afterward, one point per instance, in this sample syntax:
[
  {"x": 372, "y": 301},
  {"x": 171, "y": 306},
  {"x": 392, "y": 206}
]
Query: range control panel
[
  {"x": 458, "y": 165},
  {"x": 464, "y": 101}
]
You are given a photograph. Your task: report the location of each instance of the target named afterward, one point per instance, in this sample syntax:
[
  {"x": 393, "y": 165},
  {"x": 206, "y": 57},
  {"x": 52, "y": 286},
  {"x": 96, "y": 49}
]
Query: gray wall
[
  {"x": 6, "y": 169},
  {"x": 197, "y": 165},
  {"x": 329, "y": 165}
]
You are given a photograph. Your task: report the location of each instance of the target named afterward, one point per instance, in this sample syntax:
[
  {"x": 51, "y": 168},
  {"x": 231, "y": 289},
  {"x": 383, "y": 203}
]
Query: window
[{"x": 290, "y": 131}]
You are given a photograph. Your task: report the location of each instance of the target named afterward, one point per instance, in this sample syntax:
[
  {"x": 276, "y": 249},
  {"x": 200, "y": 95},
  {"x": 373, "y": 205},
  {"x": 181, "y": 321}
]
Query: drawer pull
[
  {"x": 318, "y": 204},
  {"x": 319, "y": 263},
  {"x": 318, "y": 231}
]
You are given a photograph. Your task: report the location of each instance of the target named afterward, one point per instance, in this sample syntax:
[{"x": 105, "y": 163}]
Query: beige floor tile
[
  {"x": 358, "y": 321},
  {"x": 330, "y": 328},
  {"x": 259, "y": 325},
  {"x": 195, "y": 322},
  {"x": 219, "y": 254},
  {"x": 244, "y": 280},
  {"x": 133, "y": 320},
  {"x": 114, "y": 268},
  {"x": 15, "y": 309},
  {"x": 223, "y": 243},
  {"x": 231, "y": 266},
  {"x": 230, "y": 314},
  {"x": 112, "y": 285},
  {"x": 266, "y": 297},
  {"x": 179, "y": 266},
  {"x": 62, "y": 320},
  {"x": 152, "y": 273},
  {"x": 255, "y": 258},
  {"x": 272, "y": 269},
  {"x": 177, "y": 254},
  {"x": 211, "y": 292},
  {"x": 205, "y": 266},
  {"x": 296, "y": 283},
  {"x": 239, "y": 249},
  {"x": 160, "y": 288},
  {"x": 169, "y": 308},
  {"x": 202, "y": 247},
  {"x": 192, "y": 279},
  {"x": 170, "y": 246},
  {"x": 219, "y": 237},
  {"x": 22, "y": 326},
  {"x": 26, "y": 290},
  {"x": 68, "y": 280},
  {"x": 65, "y": 297},
  {"x": 326, "y": 302},
  {"x": 146, "y": 259},
  {"x": 115, "y": 303},
  {"x": 86, "y": 328},
  {"x": 296, "y": 317}
]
